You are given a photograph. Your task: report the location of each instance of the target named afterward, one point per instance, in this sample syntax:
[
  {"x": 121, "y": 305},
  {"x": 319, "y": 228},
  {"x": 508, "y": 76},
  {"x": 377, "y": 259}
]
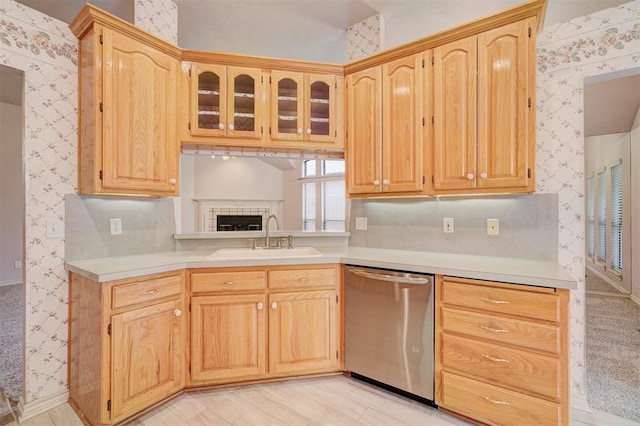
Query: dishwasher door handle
[{"x": 389, "y": 278}]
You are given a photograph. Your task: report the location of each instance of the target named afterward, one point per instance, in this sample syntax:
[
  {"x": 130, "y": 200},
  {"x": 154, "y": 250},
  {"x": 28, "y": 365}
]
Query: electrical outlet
[
  {"x": 116, "y": 226},
  {"x": 493, "y": 227},
  {"x": 17, "y": 264},
  {"x": 447, "y": 225},
  {"x": 361, "y": 223}
]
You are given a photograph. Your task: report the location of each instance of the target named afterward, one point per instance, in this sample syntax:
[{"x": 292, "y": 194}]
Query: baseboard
[
  {"x": 5, "y": 283},
  {"x": 32, "y": 409},
  {"x": 608, "y": 279},
  {"x": 579, "y": 402},
  {"x": 635, "y": 299}
]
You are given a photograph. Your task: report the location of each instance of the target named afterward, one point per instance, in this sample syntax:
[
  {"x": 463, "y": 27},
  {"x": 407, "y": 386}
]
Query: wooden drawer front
[
  {"x": 544, "y": 306},
  {"x": 494, "y": 405},
  {"x": 303, "y": 278},
  {"x": 519, "y": 369},
  {"x": 145, "y": 291},
  {"x": 500, "y": 329},
  {"x": 203, "y": 282}
]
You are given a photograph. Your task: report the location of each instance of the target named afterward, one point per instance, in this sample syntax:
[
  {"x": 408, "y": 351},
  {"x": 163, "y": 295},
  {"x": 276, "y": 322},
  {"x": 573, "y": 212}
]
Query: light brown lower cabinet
[
  {"x": 502, "y": 352},
  {"x": 126, "y": 344}
]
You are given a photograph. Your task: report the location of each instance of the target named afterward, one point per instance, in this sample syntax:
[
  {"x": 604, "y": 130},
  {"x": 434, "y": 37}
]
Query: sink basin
[{"x": 262, "y": 253}]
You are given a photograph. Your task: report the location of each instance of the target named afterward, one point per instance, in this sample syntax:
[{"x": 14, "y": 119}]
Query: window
[
  {"x": 323, "y": 195},
  {"x": 616, "y": 218},
  {"x": 602, "y": 217},
  {"x": 591, "y": 225}
]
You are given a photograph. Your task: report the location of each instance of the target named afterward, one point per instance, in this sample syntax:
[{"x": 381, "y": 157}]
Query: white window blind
[
  {"x": 591, "y": 225},
  {"x": 602, "y": 217},
  {"x": 323, "y": 194},
  {"x": 616, "y": 218}
]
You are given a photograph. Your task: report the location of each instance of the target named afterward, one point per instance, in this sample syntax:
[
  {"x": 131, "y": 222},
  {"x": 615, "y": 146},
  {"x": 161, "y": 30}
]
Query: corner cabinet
[
  {"x": 385, "y": 128},
  {"x": 128, "y": 102},
  {"x": 127, "y": 344},
  {"x": 484, "y": 112},
  {"x": 306, "y": 109},
  {"x": 502, "y": 352}
]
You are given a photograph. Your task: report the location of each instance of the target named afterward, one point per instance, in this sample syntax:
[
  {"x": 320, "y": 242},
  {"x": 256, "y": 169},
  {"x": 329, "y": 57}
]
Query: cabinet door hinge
[
  {"x": 529, "y": 172},
  {"x": 423, "y": 63},
  {"x": 261, "y": 130},
  {"x": 336, "y": 298},
  {"x": 346, "y": 84},
  {"x": 433, "y": 61},
  {"x": 101, "y": 39},
  {"x": 189, "y": 126},
  {"x": 189, "y": 72},
  {"x": 189, "y": 311},
  {"x": 433, "y": 179},
  {"x": 529, "y": 102},
  {"x": 529, "y": 31},
  {"x": 109, "y": 326},
  {"x": 269, "y": 129},
  {"x": 109, "y": 405},
  {"x": 101, "y": 107},
  {"x": 433, "y": 119},
  {"x": 336, "y": 354},
  {"x": 423, "y": 121},
  {"x": 100, "y": 174},
  {"x": 261, "y": 79},
  {"x": 189, "y": 368},
  {"x": 336, "y": 85},
  {"x": 335, "y": 133},
  {"x": 269, "y": 79},
  {"x": 423, "y": 180}
]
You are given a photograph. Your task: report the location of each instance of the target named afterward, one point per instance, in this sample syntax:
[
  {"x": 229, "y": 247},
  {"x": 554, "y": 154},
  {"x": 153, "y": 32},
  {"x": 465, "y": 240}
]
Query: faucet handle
[
  {"x": 253, "y": 242},
  {"x": 290, "y": 241}
]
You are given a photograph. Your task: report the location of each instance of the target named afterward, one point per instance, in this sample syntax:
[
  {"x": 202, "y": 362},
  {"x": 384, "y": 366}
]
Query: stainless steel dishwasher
[{"x": 389, "y": 326}]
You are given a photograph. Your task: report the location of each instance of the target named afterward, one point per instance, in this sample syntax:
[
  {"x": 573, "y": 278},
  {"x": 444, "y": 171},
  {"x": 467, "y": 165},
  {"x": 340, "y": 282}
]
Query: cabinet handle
[
  {"x": 495, "y": 302},
  {"x": 470, "y": 176},
  {"x": 221, "y": 126},
  {"x": 385, "y": 181},
  {"x": 227, "y": 282},
  {"x": 376, "y": 182},
  {"x": 493, "y": 330},
  {"x": 154, "y": 291},
  {"x": 274, "y": 305},
  {"x": 303, "y": 279},
  {"x": 177, "y": 312},
  {"x": 260, "y": 306},
  {"x": 308, "y": 131},
  {"x": 172, "y": 181},
  {"x": 299, "y": 131},
  {"x": 483, "y": 176},
  {"x": 494, "y": 401},
  {"x": 230, "y": 126},
  {"x": 490, "y": 358}
]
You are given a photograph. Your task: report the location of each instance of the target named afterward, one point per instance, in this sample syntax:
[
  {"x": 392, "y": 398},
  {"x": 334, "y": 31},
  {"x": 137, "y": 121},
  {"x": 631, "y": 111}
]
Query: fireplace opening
[{"x": 239, "y": 223}]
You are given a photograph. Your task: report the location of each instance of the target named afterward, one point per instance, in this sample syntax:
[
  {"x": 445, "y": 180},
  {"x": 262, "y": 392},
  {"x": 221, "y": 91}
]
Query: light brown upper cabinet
[
  {"x": 484, "y": 115},
  {"x": 227, "y": 102},
  {"x": 128, "y": 102},
  {"x": 305, "y": 109},
  {"x": 385, "y": 121}
]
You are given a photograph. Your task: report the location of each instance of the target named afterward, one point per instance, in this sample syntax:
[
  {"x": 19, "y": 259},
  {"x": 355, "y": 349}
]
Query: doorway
[{"x": 12, "y": 224}]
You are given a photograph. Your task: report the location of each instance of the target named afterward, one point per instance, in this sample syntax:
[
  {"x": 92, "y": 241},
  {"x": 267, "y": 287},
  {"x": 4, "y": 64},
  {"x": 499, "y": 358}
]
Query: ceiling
[{"x": 611, "y": 106}]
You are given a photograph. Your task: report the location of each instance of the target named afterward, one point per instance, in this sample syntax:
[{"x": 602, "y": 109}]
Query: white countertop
[{"x": 542, "y": 273}]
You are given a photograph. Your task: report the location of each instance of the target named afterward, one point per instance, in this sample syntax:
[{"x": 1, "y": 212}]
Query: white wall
[
  {"x": 635, "y": 208},
  {"x": 603, "y": 152},
  {"x": 292, "y": 188},
  {"x": 12, "y": 190}
]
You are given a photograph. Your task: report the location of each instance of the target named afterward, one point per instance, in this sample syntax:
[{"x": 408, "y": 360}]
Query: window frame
[{"x": 319, "y": 178}]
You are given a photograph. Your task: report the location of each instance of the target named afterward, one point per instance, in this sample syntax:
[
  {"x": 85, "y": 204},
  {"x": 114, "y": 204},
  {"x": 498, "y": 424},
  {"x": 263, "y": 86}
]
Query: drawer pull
[
  {"x": 493, "y": 330},
  {"x": 303, "y": 280},
  {"x": 154, "y": 291},
  {"x": 495, "y": 302},
  {"x": 494, "y": 401},
  {"x": 227, "y": 282},
  {"x": 490, "y": 358}
]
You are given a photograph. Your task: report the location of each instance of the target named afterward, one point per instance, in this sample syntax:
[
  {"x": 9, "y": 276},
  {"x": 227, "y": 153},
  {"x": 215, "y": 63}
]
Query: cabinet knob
[
  {"x": 260, "y": 306},
  {"x": 308, "y": 131},
  {"x": 177, "y": 312},
  {"x": 376, "y": 182},
  {"x": 172, "y": 181},
  {"x": 221, "y": 126},
  {"x": 385, "y": 181},
  {"x": 230, "y": 126},
  {"x": 274, "y": 305},
  {"x": 483, "y": 175},
  {"x": 299, "y": 131},
  {"x": 470, "y": 176}
]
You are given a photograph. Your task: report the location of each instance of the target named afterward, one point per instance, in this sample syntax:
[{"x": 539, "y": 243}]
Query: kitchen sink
[{"x": 262, "y": 253}]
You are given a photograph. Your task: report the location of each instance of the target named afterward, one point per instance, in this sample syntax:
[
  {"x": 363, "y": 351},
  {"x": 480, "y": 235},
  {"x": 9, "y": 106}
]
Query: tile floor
[{"x": 323, "y": 401}]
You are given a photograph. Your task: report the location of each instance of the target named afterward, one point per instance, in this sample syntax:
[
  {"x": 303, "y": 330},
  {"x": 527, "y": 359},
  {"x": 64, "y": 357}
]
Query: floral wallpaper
[
  {"x": 46, "y": 51},
  {"x": 159, "y": 17},
  {"x": 365, "y": 38},
  {"x": 600, "y": 43}
]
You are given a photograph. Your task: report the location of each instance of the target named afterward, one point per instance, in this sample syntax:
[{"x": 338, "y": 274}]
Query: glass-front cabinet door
[
  {"x": 287, "y": 106},
  {"x": 226, "y": 102},
  {"x": 320, "y": 107},
  {"x": 208, "y": 107}
]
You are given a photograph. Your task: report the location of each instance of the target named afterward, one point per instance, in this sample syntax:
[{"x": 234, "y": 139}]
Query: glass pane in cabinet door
[
  {"x": 208, "y": 100},
  {"x": 287, "y": 106},
  {"x": 244, "y": 103},
  {"x": 320, "y": 108}
]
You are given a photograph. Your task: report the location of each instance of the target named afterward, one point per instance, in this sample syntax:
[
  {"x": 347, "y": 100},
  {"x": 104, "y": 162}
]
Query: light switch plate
[
  {"x": 447, "y": 225},
  {"x": 493, "y": 227},
  {"x": 54, "y": 228},
  {"x": 361, "y": 223}
]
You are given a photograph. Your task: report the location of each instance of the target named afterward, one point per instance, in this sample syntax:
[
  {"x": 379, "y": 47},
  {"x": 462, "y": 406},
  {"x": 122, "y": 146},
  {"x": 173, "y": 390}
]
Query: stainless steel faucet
[{"x": 267, "y": 242}]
